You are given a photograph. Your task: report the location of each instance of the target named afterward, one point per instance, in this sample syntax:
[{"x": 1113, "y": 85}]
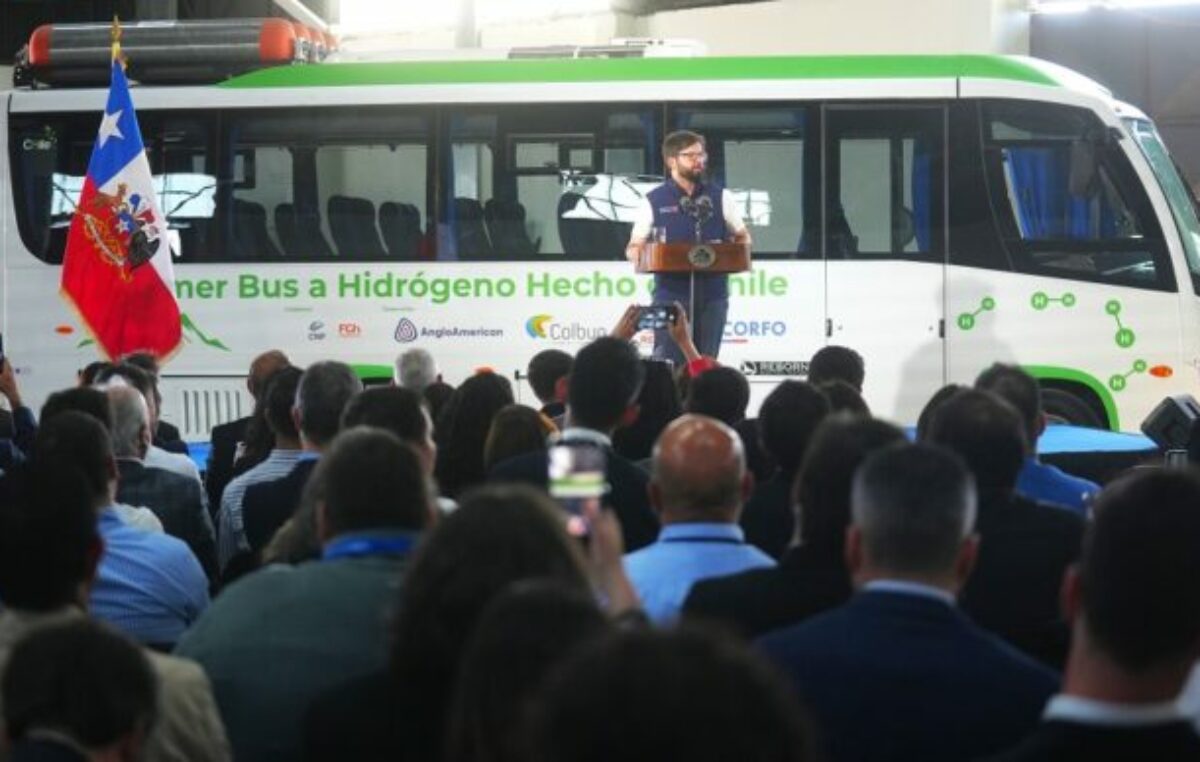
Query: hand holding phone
[
  {"x": 577, "y": 481},
  {"x": 656, "y": 317}
]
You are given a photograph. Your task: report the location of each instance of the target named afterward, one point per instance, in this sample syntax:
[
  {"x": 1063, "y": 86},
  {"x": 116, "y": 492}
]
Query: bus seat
[
  {"x": 590, "y": 238},
  {"x": 401, "y": 228},
  {"x": 470, "y": 235},
  {"x": 506, "y": 226},
  {"x": 300, "y": 233},
  {"x": 352, "y": 222},
  {"x": 250, "y": 237}
]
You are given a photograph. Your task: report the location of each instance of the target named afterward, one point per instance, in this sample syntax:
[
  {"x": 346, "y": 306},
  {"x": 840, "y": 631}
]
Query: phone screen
[
  {"x": 577, "y": 477},
  {"x": 656, "y": 317}
]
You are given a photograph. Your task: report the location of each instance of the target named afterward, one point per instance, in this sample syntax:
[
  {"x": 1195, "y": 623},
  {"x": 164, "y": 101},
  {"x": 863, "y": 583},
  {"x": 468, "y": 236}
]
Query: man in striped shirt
[{"x": 279, "y": 397}]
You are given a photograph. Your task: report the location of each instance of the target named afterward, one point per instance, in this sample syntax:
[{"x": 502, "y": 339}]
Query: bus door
[
  {"x": 767, "y": 156},
  {"x": 884, "y": 222}
]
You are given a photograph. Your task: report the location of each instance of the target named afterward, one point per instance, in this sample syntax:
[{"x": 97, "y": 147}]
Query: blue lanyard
[{"x": 359, "y": 547}]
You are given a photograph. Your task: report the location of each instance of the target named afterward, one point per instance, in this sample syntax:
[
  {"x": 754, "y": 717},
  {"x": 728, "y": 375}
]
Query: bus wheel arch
[{"x": 1073, "y": 403}]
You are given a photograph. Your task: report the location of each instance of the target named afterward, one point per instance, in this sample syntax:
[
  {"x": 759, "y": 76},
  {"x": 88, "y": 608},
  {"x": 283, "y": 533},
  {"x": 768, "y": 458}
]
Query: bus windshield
[{"x": 1183, "y": 208}]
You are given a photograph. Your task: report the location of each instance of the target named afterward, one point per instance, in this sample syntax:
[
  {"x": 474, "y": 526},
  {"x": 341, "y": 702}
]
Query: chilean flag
[{"x": 117, "y": 268}]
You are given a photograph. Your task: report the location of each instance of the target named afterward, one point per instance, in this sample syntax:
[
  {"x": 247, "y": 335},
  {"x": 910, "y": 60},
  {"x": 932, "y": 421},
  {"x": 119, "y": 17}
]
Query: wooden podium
[{"x": 694, "y": 258}]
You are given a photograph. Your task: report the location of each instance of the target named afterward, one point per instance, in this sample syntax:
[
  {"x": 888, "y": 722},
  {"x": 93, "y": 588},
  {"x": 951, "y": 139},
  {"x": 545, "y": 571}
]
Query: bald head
[
  {"x": 131, "y": 421},
  {"x": 699, "y": 472},
  {"x": 262, "y": 368}
]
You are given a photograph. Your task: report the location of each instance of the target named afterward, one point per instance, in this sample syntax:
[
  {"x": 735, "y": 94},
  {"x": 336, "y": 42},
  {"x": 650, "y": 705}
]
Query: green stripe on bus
[
  {"x": 1053, "y": 373},
  {"x": 643, "y": 70}
]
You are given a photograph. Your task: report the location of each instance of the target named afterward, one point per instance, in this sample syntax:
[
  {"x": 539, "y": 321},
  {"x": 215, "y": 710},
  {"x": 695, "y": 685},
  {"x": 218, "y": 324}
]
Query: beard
[{"x": 691, "y": 174}]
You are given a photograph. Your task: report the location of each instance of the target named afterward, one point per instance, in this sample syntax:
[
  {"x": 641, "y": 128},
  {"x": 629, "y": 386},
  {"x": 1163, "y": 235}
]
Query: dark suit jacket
[
  {"x": 892, "y": 676},
  {"x": 178, "y": 504},
  {"x": 1064, "y": 741},
  {"x": 168, "y": 438},
  {"x": 219, "y": 471},
  {"x": 267, "y": 505},
  {"x": 760, "y": 600},
  {"x": 629, "y": 496},
  {"x": 41, "y": 750},
  {"x": 1015, "y": 588},
  {"x": 767, "y": 516}
]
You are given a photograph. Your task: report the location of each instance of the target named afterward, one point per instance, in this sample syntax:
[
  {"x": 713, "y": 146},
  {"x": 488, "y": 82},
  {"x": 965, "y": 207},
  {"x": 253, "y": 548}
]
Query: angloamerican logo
[
  {"x": 408, "y": 332},
  {"x": 546, "y": 327}
]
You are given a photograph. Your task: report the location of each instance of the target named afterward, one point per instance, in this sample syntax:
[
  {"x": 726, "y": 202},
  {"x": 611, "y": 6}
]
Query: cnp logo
[
  {"x": 536, "y": 326},
  {"x": 406, "y": 332}
]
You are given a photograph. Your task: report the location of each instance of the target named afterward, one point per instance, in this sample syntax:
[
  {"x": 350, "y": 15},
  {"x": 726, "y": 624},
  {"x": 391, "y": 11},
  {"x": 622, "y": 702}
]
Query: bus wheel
[{"x": 1065, "y": 407}]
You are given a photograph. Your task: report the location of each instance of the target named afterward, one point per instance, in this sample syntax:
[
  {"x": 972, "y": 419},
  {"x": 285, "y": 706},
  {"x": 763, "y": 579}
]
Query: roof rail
[
  {"x": 620, "y": 47},
  {"x": 161, "y": 52}
]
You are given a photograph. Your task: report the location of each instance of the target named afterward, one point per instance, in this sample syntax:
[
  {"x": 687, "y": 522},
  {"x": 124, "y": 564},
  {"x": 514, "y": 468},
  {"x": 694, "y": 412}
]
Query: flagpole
[{"x": 116, "y": 40}]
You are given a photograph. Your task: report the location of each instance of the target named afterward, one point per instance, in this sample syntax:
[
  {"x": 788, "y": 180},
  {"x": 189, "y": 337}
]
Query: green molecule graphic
[
  {"x": 1124, "y": 337},
  {"x": 1041, "y": 300},
  {"x": 1118, "y": 382},
  {"x": 966, "y": 320}
]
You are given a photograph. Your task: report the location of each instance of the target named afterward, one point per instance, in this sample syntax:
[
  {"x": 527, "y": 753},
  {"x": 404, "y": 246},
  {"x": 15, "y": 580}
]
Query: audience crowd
[{"x": 381, "y": 573}]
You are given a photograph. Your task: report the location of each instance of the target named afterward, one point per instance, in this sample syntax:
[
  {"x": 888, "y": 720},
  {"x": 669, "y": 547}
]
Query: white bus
[{"x": 936, "y": 213}]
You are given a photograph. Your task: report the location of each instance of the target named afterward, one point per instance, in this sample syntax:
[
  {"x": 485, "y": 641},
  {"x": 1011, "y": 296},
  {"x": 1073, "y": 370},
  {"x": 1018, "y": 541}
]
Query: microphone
[{"x": 704, "y": 209}]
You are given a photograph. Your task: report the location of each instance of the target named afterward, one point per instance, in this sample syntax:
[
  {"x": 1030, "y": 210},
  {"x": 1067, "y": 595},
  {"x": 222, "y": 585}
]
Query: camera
[{"x": 656, "y": 317}]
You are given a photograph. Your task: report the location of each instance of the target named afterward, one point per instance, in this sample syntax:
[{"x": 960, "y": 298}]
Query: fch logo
[
  {"x": 406, "y": 332},
  {"x": 536, "y": 326}
]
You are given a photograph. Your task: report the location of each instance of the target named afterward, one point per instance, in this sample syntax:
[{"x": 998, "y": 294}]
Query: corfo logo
[
  {"x": 406, "y": 332},
  {"x": 742, "y": 331},
  {"x": 546, "y": 327},
  {"x": 536, "y": 326}
]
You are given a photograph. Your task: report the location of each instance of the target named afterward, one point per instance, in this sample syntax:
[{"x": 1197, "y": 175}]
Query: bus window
[
  {"x": 50, "y": 154},
  {"x": 758, "y": 154},
  {"x": 1067, "y": 198},
  {"x": 559, "y": 182},
  {"x": 328, "y": 185},
  {"x": 884, "y": 189}
]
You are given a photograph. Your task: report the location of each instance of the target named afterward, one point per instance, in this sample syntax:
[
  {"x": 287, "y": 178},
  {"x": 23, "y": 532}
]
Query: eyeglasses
[{"x": 692, "y": 155}]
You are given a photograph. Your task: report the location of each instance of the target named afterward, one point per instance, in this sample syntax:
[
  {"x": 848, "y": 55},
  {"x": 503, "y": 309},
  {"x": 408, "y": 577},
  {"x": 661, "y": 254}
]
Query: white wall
[{"x": 781, "y": 27}]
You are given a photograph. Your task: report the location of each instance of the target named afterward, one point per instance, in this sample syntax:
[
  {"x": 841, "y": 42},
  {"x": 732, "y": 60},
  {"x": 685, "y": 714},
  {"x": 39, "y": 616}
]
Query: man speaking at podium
[{"x": 685, "y": 209}]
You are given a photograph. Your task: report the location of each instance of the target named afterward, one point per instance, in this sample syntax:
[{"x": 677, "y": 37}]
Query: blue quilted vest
[{"x": 664, "y": 202}]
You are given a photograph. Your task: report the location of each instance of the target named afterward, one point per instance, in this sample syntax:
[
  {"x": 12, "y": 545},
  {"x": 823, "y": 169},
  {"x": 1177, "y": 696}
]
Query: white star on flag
[{"x": 108, "y": 127}]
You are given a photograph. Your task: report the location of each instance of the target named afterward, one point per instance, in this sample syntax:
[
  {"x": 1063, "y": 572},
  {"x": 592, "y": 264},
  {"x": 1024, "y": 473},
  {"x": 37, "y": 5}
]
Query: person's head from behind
[
  {"x": 86, "y": 400},
  {"x": 369, "y": 480},
  {"x": 548, "y": 371},
  {"x": 49, "y": 544},
  {"x": 787, "y": 420},
  {"x": 124, "y": 374},
  {"x": 844, "y": 398},
  {"x": 399, "y": 411},
  {"x": 436, "y": 396},
  {"x": 720, "y": 393},
  {"x": 522, "y": 636},
  {"x": 1016, "y": 387},
  {"x": 699, "y": 472},
  {"x": 604, "y": 384},
  {"x": 652, "y": 695},
  {"x": 76, "y": 440},
  {"x": 913, "y": 516},
  {"x": 987, "y": 433},
  {"x": 658, "y": 404},
  {"x": 324, "y": 390},
  {"x": 836, "y": 363},
  {"x": 929, "y": 412},
  {"x": 497, "y": 536},
  {"x": 82, "y": 682},
  {"x": 87, "y": 376},
  {"x": 415, "y": 370},
  {"x": 516, "y": 430},
  {"x": 131, "y": 422},
  {"x": 278, "y": 398},
  {"x": 821, "y": 491},
  {"x": 1133, "y": 598},
  {"x": 463, "y": 428},
  {"x": 262, "y": 368}
]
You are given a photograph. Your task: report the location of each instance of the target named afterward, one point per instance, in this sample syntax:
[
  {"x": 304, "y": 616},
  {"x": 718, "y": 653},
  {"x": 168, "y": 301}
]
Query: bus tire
[{"x": 1062, "y": 406}]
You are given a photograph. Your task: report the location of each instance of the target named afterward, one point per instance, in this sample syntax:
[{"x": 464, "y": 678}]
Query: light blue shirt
[
  {"x": 1047, "y": 484},
  {"x": 663, "y": 573},
  {"x": 149, "y": 585},
  {"x": 231, "y": 531}
]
